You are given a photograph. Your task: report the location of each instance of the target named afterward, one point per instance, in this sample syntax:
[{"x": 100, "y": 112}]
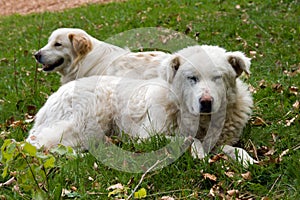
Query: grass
[{"x": 270, "y": 28}]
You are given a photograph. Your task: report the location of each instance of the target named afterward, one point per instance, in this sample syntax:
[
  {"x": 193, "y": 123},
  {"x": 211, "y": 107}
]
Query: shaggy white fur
[
  {"x": 75, "y": 54},
  {"x": 199, "y": 94}
]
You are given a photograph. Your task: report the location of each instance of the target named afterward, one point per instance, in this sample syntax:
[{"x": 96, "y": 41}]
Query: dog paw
[
  {"x": 197, "y": 149},
  {"x": 240, "y": 155}
]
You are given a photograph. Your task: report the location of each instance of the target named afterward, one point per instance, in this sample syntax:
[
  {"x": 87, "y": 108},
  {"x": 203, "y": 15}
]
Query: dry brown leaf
[
  {"x": 229, "y": 174},
  {"x": 252, "y": 89},
  {"x": 291, "y": 121},
  {"x": 116, "y": 186},
  {"x": 279, "y": 159},
  {"x": 252, "y": 53},
  {"x": 277, "y": 87},
  {"x": 270, "y": 152},
  {"x": 296, "y": 105},
  {"x": 167, "y": 198},
  {"x": 73, "y": 188},
  {"x": 209, "y": 176},
  {"x": 217, "y": 157},
  {"x": 292, "y": 73},
  {"x": 247, "y": 176},
  {"x": 233, "y": 192},
  {"x": 293, "y": 90},
  {"x": 216, "y": 191},
  {"x": 258, "y": 121},
  {"x": 262, "y": 84}
]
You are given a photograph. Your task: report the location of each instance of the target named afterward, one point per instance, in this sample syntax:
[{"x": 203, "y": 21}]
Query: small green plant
[{"x": 32, "y": 168}]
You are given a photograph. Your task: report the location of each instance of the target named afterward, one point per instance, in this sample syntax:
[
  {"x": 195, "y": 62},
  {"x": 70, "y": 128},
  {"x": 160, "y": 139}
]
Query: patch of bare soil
[{"x": 23, "y": 7}]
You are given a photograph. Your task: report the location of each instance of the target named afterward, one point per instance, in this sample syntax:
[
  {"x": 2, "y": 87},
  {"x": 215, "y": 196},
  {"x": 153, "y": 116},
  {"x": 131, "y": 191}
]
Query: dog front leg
[{"x": 239, "y": 154}]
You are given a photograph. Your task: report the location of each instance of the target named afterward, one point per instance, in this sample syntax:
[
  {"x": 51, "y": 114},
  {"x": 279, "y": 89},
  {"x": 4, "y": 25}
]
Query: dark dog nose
[
  {"x": 38, "y": 56},
  {"x": 206, "y": 104}
]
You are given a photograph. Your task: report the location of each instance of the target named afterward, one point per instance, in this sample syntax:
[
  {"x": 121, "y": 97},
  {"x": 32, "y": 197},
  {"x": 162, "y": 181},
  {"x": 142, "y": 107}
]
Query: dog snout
[
  {"x": 38, "y": 56},
  {"x": 206, "y": 102}
]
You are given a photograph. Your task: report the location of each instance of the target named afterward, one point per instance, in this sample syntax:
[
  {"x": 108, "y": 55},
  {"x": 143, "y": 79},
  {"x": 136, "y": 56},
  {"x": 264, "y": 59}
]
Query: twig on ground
[
  {"x": 143, "y": 177},
  {"x": 9, "y": 182},
  {"x": 277, "y": 179}
]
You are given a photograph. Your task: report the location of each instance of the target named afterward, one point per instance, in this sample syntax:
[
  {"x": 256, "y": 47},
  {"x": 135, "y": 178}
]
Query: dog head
[
  {"x": 203, "y": 76},
  {"x": 65, "y": 47}
]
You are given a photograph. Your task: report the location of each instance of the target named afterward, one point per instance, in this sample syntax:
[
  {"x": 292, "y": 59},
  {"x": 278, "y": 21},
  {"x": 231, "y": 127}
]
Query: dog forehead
[
  {"x": 203, "y": 64},
  {"x": 63, "y": 33}
]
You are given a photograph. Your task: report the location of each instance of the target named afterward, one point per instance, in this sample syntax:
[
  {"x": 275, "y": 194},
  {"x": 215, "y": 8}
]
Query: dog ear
[
  {"x": 239, "y": 62},
  {"x": 81, "y": 44},
  {"x": 169, "y": 68}
]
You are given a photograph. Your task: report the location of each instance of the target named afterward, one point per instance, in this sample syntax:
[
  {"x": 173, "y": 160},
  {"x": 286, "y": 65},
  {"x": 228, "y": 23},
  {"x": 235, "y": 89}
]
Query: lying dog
[
  {"x": 199, "y": 95},
  {"x": 75, "y": 54}
]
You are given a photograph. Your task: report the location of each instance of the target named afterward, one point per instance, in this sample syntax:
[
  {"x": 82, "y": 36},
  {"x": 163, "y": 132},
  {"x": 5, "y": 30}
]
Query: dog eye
[
  {"x": 193, "y": 79},
  {"x": 57, "y": 44},
  {"x": 216, "y": 78}
]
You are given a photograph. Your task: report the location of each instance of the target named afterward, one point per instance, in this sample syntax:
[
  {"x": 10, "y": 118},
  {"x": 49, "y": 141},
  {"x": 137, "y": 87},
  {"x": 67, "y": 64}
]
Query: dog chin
[{"x": 52, "y": 67}]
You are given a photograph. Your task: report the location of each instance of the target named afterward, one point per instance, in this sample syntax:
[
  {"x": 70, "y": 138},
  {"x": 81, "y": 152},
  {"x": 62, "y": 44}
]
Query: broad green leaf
[
  {"x": 4, "y": 173},
  {"x": 29, "y": 149},
  {"x": 49, "y": 163},
  {"x": 142, "y": 193},
  {"x": 60, "y": 150},
  {"x": 8, "y": 149}
]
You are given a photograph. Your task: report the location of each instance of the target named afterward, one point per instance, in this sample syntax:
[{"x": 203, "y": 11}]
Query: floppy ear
[
  {"x": 169, "y": 68},
  {"x": 81, "y": 44},
  {"x": 239, "y": 62}
]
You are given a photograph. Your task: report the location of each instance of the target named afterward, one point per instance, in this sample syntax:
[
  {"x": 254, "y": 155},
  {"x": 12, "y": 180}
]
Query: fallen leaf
[
  {"x": 232, "y": 192},
  {"x": 277, "y": 87},
  {"x": 209, "y": 176},
  {"x": 262, "y": 84},
  {"x": 258, "y": 121},
  {"x": 292, "y": 72},
  {"x": 116, "y": 186},
  {"x": 290, "y": 121},
  {"x": 296, "y": 105},
  {"x": 293, "y": 90},
  {"x": 270, "y": 152},
  {"x": 252, "y": 53},
  {"x": 252, "y": 89},
  {"x": 166, "y": 198},
  {"x": 216, "y": 191},
  {"x": 217, "y": 157},
  {"x": 279, "y": 159},
  {"x": 229, "y": 174},
  {"x": 247, "y": 176},
  {"x": 73, "y": 188}
]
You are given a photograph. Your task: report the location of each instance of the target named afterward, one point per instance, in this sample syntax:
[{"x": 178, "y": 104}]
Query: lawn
[{"x": 267, "y": 31}]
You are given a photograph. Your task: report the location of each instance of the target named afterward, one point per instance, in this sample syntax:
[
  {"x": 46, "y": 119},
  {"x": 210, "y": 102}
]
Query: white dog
[
  {"x": 199, "y": 95},
  {"x": 75, "y": 54}
]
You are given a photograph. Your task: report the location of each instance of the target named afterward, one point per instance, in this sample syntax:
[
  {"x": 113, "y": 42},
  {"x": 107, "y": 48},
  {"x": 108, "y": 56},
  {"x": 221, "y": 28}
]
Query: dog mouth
[{"x": 50, "y": 67}]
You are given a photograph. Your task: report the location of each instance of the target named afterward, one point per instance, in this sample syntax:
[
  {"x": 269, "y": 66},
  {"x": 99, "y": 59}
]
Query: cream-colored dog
[
  {"x": 75, "y": 54},
  {"x": 199, "y": 94}
]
